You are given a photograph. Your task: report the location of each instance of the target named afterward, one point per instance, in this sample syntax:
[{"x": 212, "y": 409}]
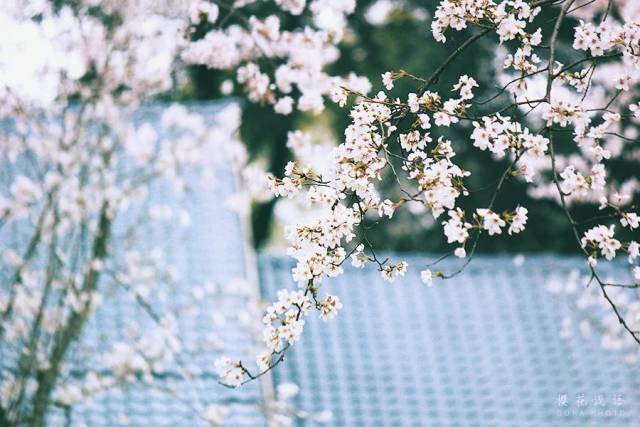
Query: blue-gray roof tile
[{"x": 482, "y": 349}]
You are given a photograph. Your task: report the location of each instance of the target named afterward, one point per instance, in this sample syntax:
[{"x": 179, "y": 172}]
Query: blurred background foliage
[{"x": 404, "y": 42}]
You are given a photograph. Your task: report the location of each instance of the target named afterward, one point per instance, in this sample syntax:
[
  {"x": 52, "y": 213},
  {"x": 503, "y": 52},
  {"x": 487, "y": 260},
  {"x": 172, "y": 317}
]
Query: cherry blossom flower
[{"x": 427, "y": 277}]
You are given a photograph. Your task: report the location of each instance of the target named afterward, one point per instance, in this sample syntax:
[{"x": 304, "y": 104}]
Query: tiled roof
[{"x": 482, "y": 349}]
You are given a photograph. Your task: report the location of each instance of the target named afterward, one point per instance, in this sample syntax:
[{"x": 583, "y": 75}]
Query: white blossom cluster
[
  {"x": 282, "y": 68},
  {"x": 590, "y": 316},
  {"x": 593, "y": 98},
  {"x": 320, "y": 245}
]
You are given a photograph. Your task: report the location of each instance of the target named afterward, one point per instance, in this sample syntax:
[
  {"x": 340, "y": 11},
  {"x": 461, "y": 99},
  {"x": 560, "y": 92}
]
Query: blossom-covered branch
[{"x": 404, "y": 138}]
